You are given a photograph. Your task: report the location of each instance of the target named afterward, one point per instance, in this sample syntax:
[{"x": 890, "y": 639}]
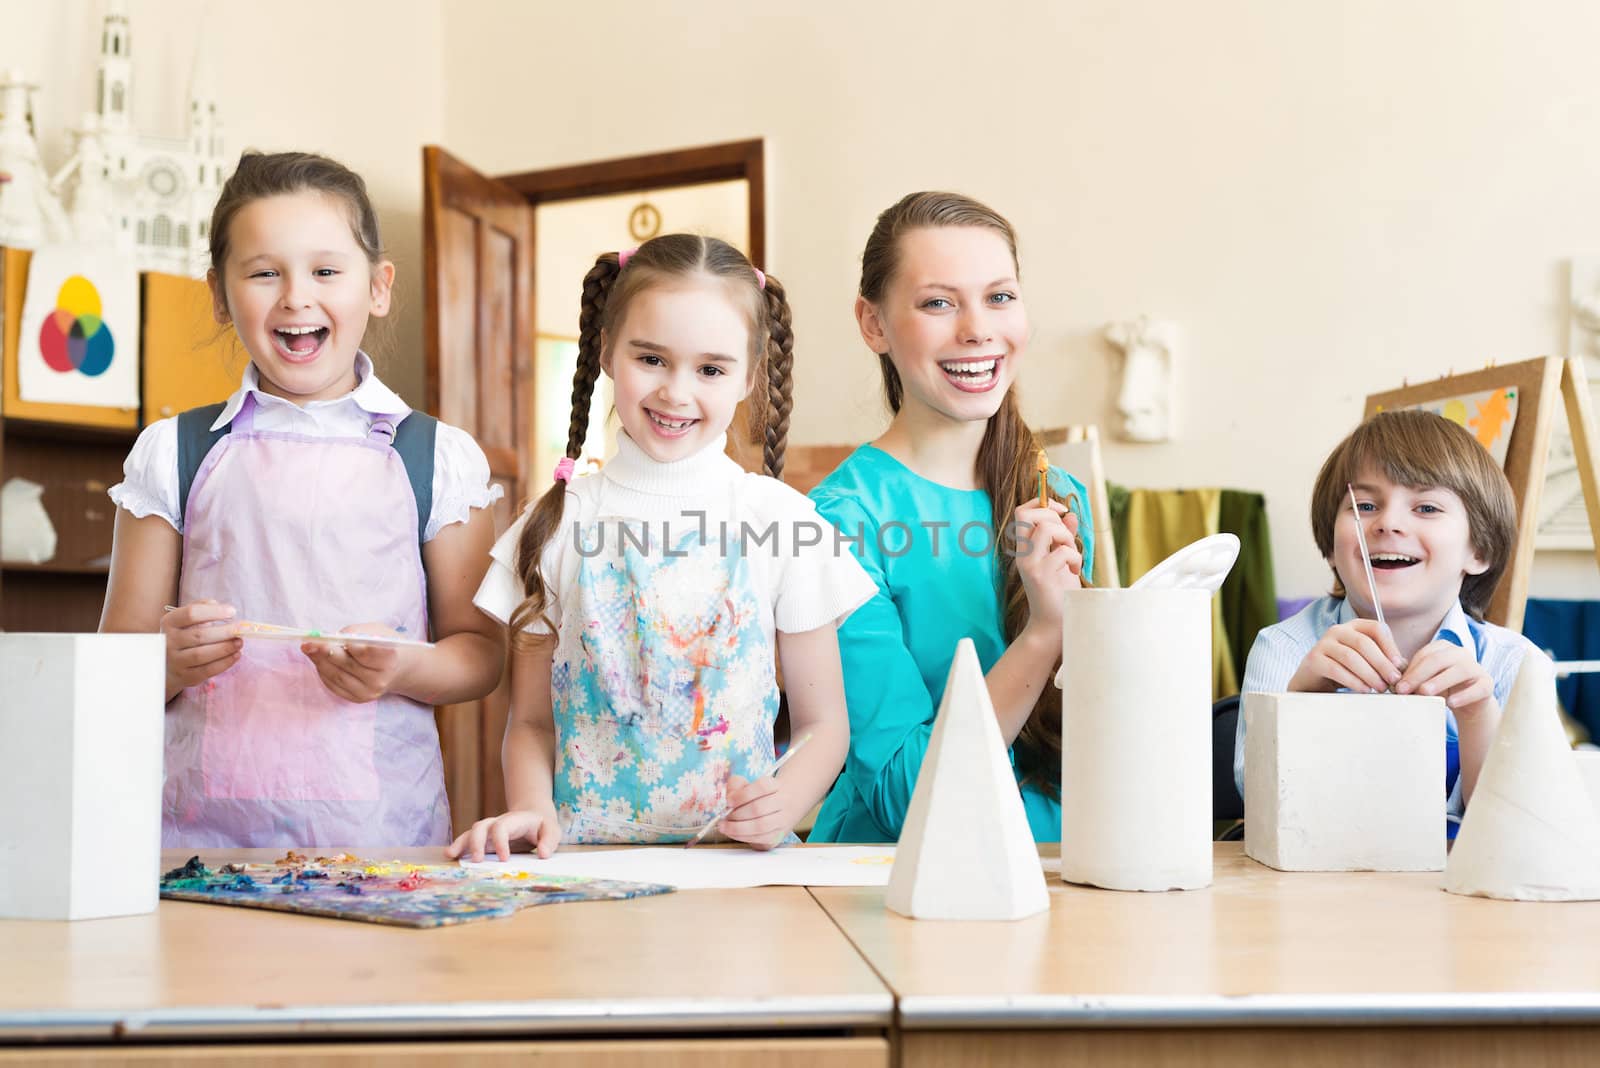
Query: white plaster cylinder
[
  {"x": 1136, "y": 739},
  {"x": 81, "y": 723}
]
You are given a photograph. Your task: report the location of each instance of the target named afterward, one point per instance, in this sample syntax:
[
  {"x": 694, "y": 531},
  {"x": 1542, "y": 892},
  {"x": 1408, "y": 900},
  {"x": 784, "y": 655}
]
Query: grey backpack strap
[
  {"x": 414, "y": 440},
  {"x": 195, "y": 439}
]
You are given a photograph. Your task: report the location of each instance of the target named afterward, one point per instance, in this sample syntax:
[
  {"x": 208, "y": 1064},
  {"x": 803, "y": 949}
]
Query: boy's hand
[
  {"x": 357, "y": 672},
  {"x": 201, "y": 642},
  {"x": 537, "y": 825},
  {"x": 1445, "y": 669},
  {"x": 1359, "y": 655},
  {"x": 757, "y": 815}
]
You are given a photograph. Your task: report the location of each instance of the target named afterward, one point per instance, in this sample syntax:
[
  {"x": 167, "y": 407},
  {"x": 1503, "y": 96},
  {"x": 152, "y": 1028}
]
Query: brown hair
[
  {"x": 1422, "y": 450},
  {"x": 607, "y": 290},
  {"x": 261, "y": 175},
  {"x": 1007, "y": 458}
]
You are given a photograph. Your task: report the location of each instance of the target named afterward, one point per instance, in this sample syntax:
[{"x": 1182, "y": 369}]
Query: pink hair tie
[
  {"x": 564, "y": 469},
  {"x": 624, "y": 256},
  {"x": 761, "y": 279}
]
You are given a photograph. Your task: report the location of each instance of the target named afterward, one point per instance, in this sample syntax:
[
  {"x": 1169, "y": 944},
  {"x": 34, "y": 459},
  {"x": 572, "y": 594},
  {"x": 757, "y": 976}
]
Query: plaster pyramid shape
[
  {"x": 1530, "y": 831},
  {"x": 966, "y": 852}
]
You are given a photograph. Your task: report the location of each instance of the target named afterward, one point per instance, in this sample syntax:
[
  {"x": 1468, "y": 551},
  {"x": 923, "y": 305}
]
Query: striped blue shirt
[{"x": 1279, "y": 650}]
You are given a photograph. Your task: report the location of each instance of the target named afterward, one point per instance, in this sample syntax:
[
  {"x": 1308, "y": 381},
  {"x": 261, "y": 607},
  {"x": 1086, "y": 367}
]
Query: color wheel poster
[{"x": 80, "y": 328}]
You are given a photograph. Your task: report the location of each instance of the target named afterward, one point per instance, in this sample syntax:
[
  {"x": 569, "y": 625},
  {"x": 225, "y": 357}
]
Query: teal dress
[{"x": 928, "y": 548}]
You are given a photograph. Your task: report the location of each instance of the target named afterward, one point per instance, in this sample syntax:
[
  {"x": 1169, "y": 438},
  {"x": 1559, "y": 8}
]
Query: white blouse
[{"x": 461, "y": 483}]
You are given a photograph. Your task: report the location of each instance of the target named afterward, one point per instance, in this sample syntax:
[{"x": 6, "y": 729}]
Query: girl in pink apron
[
  {"x": 314, "y": 497},
  {"x": 653, "y": 600}
]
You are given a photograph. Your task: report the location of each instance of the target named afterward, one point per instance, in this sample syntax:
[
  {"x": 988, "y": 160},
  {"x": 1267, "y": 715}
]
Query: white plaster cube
[
  {"x": 1344, "y": 782},
  {"x": 81, "y": 733}
]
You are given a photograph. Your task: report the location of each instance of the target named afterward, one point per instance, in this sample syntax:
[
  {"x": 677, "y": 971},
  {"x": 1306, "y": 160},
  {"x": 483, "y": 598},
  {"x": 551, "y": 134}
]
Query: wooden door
[{"x": 478, "y": 258}]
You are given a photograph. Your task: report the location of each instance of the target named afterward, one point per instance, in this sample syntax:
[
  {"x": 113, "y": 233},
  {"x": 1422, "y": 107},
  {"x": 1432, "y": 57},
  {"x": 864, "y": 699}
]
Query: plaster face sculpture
[{"x": 1145, "y": 398}]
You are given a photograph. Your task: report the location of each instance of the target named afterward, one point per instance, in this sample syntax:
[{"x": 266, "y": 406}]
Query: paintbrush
[
  {"x": 781, "y": 761},
  {"x": 1044, "y": 470},
  {"x": 1366, "y": 557}
]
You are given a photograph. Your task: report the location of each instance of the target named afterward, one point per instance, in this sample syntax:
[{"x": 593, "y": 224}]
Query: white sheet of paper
[
  {"x": 715, "y": 868},
  {"x": 95, "y": 289}
]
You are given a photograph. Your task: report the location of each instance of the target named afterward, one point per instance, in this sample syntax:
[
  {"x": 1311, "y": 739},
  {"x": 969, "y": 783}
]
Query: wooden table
[
  {"x": 1263, "y": 967},
  {"x": 701, "y": 977}
]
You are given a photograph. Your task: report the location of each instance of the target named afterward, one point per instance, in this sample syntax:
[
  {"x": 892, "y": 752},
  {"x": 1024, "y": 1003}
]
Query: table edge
[
  {"x": 543, "y": 1017},
  {"x": 1063, "y": 1011}
]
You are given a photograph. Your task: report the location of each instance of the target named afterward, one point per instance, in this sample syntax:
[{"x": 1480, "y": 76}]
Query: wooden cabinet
[
  {"x": 76, "y": 452},
  {"x": 189, "y": 358}
]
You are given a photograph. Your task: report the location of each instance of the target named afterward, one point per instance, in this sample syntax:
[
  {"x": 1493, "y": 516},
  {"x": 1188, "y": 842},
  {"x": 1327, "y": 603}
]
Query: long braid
[
  {"x": 596, "y": 288},
  {"x": 780, "y": 376},
  {"x": 541, "y": 525}
]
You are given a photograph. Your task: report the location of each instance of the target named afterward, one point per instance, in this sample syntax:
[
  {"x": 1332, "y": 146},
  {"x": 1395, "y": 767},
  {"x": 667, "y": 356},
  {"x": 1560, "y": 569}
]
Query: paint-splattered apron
[
  {"x": 310, "y": 532},
  {"x": 662, "y": 683}
]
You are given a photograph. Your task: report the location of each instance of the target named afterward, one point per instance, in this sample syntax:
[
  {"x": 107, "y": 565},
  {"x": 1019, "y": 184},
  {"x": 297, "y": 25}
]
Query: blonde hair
[{"x": 1421, "y": 450}]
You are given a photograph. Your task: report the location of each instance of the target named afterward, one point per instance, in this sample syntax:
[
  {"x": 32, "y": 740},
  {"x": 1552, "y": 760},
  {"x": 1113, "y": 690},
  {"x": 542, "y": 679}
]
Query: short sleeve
[
  {"x": 149, "y": 483},
  {"x": 501, "y": 590},
  {"x": 819, "y": 580},
  {"x": 460, "y": 480}
]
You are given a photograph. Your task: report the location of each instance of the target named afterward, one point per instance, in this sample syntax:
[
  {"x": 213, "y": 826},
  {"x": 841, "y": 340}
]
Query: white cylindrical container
[{"x": 1136, "y": 739}]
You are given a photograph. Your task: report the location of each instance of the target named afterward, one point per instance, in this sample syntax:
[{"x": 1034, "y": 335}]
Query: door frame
[
  {"x": 680, "y": 167},
  {"x": 728, "y": 161}
]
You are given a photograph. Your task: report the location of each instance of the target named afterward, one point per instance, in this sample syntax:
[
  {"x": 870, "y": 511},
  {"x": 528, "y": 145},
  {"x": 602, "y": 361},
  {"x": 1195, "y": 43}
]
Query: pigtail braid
[
  {"x": 780, "y": 376},
  {"x": 541, "y": 525}
]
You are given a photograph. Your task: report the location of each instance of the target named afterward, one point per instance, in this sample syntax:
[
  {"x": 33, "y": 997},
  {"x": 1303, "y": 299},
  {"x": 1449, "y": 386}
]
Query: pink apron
[{"x": 309, "y": 532}]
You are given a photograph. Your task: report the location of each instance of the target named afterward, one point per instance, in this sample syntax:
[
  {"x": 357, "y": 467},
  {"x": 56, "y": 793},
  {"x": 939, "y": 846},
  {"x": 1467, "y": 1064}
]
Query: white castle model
[{"x": 146, "y": 194}]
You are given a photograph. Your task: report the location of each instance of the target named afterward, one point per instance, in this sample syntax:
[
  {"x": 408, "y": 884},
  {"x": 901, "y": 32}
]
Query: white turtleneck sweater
[{"x": 809, "y": 575}]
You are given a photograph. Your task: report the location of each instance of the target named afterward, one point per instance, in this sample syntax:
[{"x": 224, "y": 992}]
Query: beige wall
[
  {"x": 1327, "y": 197},
  {"x": 360, "y": 81}
]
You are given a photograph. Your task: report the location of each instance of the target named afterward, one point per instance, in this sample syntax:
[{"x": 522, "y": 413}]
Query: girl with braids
[
  {"x": 651, "y": 600},
  {"x": 314, "y": 497},
  {"x": 975, "y": 555}
]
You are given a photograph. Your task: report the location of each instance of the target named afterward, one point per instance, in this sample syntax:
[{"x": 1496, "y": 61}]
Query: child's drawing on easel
[{"x": 1489, "y": 415}]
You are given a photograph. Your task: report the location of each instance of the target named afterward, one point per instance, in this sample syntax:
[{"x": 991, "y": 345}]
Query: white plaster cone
[
  {"x": 965, "y": 851},
  {"x": 1530, "y": 832},
  {"x": 1136, "y": 738}
]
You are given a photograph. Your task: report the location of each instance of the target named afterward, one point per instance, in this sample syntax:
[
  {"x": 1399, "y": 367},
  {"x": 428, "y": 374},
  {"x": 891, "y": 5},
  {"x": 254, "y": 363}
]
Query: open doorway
[
  {"x": 568, "y": 235},
  {"x": 495, "y": 321}
]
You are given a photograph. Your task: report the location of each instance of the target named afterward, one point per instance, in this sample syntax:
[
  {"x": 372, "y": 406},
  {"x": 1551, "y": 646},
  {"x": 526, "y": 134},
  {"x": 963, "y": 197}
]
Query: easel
[
  {"x": 1536, "y": 382},
  {"x": 1076, "y": 449}
]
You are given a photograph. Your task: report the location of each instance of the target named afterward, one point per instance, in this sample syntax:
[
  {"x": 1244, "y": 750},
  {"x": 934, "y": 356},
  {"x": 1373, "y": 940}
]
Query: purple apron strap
[
  {"x": 245, "y": 418},
  {"x": 382, "y": 428}
]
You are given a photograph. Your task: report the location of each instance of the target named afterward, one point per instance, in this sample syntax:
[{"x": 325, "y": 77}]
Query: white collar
[
  {"x": 632, "y": 468},
  {"x": 370, "y": 394},
  {"x": 1454, "y": 622}
]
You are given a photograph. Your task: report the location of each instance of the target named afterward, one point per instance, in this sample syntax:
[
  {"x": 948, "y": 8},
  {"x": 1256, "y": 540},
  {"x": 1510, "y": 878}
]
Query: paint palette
[
  {"x": 389, "y": 892},
  {"x": 1200, "y": 565},
  {"x": 272, "y": 632}
]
